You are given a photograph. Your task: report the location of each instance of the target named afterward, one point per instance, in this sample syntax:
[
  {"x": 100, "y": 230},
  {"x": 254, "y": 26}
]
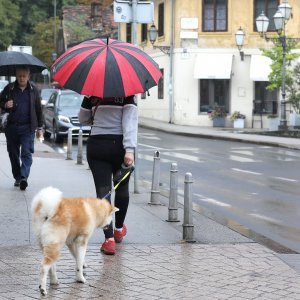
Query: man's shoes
[
  {"x": 23, "y": 184},
  {"x": 119, "y": 234},
  {"x": 17, "y": 182},
  {"x": 109, "y": 247}
]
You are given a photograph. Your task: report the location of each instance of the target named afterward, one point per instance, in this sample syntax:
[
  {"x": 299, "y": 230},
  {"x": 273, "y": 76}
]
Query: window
[
  {"x": 144, "y": 33},
  {"x": 265, "y": 101},
  {"x": 269, "y": 7},
  {"x": 214, "y": 15},
  {"x": 214, "y": 92},
  {"x": 161, "y": 13},
  {"x": 128, "y": 32},
  {"x": 161, "y": 86}
]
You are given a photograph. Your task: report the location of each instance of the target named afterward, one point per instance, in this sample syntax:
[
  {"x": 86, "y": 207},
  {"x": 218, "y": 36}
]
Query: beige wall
[{"x": 185, "y": 86}]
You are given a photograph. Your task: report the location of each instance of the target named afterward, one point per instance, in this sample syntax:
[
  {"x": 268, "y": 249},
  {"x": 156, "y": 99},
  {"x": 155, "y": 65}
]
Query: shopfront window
[
  {"x": 265, "y": 102},
  {"x": 214, "y": 92}
]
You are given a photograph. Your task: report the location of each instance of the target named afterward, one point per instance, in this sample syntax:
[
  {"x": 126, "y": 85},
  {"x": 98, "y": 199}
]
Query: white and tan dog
[{"x": 71, "y": 221}]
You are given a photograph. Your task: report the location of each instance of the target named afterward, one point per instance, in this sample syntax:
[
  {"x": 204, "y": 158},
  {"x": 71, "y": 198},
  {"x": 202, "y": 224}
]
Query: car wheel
[{"x": 56, "y": 138}]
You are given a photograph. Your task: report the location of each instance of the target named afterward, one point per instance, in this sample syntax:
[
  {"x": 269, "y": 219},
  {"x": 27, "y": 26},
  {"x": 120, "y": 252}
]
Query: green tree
[
  {"x": 9, "y": 18},
  {"x": 79, "y": 31},
  {"x": 276, "y": 55},
  {"x": 42, "y": 40}
]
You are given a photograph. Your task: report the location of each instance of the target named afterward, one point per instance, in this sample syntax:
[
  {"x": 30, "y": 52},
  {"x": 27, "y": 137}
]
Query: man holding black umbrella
[{"x": 22, "y": 100}]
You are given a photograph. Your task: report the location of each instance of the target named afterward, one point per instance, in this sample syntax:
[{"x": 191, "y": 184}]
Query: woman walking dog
[{"x": 110, "y": 145}]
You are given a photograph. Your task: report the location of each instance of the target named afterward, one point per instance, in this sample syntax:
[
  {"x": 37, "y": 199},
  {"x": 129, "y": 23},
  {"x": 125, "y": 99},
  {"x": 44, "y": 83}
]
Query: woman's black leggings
[{"x": 105, "y": 154}]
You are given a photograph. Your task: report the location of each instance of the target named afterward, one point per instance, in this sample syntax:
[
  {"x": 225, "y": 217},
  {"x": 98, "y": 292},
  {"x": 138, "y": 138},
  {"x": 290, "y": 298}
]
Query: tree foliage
[
  {"x": 292, "y": 76},
  {"x": 276, "y": 55},
  {"x": 9, "y": 18}
]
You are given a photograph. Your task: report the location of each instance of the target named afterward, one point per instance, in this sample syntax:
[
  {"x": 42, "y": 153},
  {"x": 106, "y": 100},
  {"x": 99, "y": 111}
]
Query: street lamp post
[
  {"x": 239, "y": 40},
  {"x": 280, "y": 19}
]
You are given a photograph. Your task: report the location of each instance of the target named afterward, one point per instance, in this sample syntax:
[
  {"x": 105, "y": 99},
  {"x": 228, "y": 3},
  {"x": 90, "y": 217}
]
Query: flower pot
[
  {"x": 239, "y": 123},
  {"x": 218, "y": 122}
]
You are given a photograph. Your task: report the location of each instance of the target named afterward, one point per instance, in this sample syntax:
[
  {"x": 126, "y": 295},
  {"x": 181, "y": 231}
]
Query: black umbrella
[{"x": 9, "y": 60}]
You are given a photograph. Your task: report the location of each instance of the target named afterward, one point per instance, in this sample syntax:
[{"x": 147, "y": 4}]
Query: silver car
[{"x": 61, "y": 113}]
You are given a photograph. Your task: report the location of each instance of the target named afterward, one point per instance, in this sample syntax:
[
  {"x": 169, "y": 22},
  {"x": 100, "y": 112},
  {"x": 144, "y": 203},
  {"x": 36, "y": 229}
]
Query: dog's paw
[
  {"x": 54, "y": 282},
  {"x": 43, "y": 291}
]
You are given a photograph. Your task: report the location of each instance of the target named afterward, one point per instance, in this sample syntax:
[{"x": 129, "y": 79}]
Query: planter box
[
  {"x": 218, "y": 122},
  {"x": 294, "y": 119},
  {"x": 239, "y": 123}
]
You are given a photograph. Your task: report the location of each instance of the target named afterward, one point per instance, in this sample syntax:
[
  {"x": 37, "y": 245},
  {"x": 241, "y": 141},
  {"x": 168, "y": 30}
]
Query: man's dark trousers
[{"x": 20, "y": 145}]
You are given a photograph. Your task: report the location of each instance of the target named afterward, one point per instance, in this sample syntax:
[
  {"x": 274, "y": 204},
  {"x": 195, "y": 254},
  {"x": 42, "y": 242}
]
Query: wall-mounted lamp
[
  {"x": 153, "y": 36},
  {"x": 239, "y": 40}
]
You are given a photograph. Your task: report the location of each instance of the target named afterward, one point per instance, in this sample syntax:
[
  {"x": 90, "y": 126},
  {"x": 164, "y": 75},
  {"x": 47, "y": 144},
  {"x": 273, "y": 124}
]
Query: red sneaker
[
  {"x": 108, "y": 247},
  {"x": 119, "y": 234}
]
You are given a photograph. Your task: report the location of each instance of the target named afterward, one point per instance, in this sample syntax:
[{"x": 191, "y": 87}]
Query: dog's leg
[
  {"x": 81, "y": 246},
  {"x": 43, "y": 278},
  {"x": 72, "y": 249},
  {"x": 53, "y": 275},
  {"x": 51, "y": 254}
]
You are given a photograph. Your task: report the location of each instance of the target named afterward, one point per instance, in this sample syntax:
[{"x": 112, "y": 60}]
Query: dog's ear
[{"x": 114, "y": 209}]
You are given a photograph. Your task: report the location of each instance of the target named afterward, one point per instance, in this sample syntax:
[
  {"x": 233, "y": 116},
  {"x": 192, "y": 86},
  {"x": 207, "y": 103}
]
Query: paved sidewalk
[{"x": 152, "y": 263}]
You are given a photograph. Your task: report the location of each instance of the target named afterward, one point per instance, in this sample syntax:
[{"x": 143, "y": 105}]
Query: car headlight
[{"x": 64, "y": 119}]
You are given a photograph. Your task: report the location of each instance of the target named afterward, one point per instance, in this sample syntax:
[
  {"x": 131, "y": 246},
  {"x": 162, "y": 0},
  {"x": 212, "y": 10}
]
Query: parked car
[
  {"x": 3, "y": 83},
  {"x": 45, "y": 95},
  {"x": 61, "y": 113}
]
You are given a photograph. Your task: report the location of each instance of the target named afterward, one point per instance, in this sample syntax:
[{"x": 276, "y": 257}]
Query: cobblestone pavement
[{"x": 177, "y": 271}]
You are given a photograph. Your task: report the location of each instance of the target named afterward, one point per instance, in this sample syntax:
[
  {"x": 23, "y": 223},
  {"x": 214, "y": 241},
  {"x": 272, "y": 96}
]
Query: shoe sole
[
  {"x": 23, "y": 185},
  {"x": 107, "y": 253}
]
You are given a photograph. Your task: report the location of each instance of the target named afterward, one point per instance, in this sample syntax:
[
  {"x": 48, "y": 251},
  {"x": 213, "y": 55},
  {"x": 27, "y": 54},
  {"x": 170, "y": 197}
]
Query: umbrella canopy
[
  {"x": 9, "y": 60},
  {"x": 106, "y": 68}
]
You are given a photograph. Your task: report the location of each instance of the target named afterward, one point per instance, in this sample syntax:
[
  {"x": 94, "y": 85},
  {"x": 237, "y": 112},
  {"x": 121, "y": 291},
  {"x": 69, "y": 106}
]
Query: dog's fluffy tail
[{"x": 43, "y": 206}]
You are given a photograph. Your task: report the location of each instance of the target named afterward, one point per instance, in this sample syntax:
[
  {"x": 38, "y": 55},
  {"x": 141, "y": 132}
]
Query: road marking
[
  {"x": 212, "y": 201},
  {"x": 246, "y": 171},
  {"x": 151, "y": 158},
  {"x": 286, "y": 179},
  {"x": 242, "y": 159},
  {"x": 263, "y": 217},
  {"x": 244, "y": 152},
  {"x": 183, "y": 156}
]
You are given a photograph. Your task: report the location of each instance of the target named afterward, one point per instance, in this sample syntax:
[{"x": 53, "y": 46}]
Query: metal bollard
[
  {"x": 173, "y": 204},
  {"x": 80, "y": 149},
  {"x": 188, "y": 227},
  {"x": 155, "y": 180},
  {"x": 69, "y": 147}
]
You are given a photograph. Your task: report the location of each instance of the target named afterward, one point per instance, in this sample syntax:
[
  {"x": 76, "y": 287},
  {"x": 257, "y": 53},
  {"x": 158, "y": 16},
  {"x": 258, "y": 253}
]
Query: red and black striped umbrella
[{"x": 106, "y": 68}]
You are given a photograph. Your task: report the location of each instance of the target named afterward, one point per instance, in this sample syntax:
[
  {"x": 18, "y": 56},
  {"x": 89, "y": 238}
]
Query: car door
[{"x": 49, "y": 111}]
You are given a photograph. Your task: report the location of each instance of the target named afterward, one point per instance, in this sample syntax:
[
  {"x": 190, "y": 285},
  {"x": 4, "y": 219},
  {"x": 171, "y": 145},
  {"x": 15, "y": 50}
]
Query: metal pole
[
  {"x": 155, "y": 180},
  {"x": 134, "y": 42},
  {"x": 283, "y": 121},
  {"x": 54, "y": 53},
  {"x": 171, "y": 100},
  {"x": 69, "y": 147},
  {"x": 79, "y": 148},
  {"x": 173, "y": 203},
  {"x": 188, "y": 227}
]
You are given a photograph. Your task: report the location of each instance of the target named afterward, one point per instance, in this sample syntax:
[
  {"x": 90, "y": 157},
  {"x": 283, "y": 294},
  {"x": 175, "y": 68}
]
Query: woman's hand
[{"x": 128, "y": 158}]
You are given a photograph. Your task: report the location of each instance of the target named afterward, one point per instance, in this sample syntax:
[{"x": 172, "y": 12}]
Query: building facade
[{"x": 204, "y": 68}]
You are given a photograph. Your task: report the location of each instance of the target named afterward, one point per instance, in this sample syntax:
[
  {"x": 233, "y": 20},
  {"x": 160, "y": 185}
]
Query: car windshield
[
  {"x": 70, "y": 100},
  {"x": 3, "y": 83},
  {"x": 45, "y": 94}
]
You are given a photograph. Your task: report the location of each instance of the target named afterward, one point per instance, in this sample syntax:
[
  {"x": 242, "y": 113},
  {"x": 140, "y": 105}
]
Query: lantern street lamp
[
  {"x": 239, "y": 41},
  {"x": 280, "y": 18},
  {"x": 153, "y": 36}
]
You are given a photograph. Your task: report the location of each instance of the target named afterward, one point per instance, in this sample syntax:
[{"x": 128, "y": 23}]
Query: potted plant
[
  {"x": 218, "y": 116},
  {"x": 238, "y": 119},
  {"x": 273, "y": 122}
]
